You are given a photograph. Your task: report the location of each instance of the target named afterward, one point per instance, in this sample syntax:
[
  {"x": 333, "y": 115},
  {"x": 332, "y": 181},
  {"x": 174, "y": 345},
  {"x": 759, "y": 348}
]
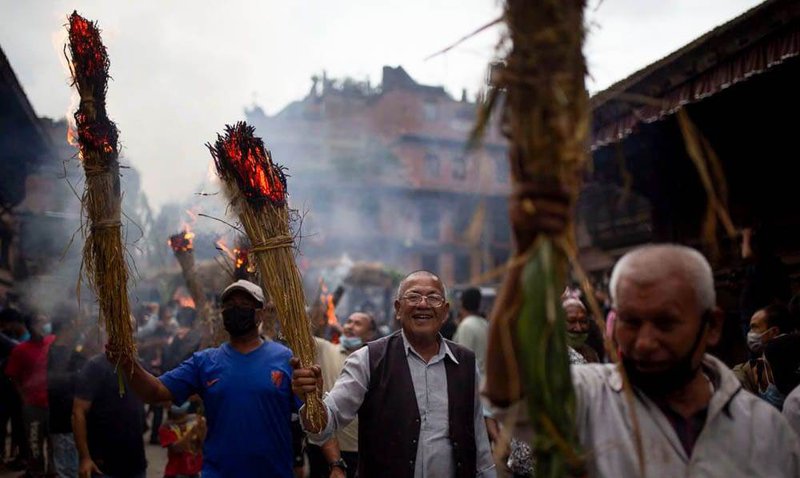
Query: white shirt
[
  {"x": 791, "y": 409},
  {"x": 473, "y": 333},
  {"x": 743, "y": 436},
  {"x": 434, "y": 452}
]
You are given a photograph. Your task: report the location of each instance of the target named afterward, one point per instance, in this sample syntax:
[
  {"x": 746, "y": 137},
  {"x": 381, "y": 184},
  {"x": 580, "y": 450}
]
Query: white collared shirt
[
  {"x": 743, "y": 436},
  {"x": 434, "y": 450}
]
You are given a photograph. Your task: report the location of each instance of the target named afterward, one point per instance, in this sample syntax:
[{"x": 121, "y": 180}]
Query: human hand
[
  {"x": 493, "y": 429},
  {"x": 337, "y": 472},
  {"x": 87, "y": 468},
  {"x": 305, "y": 380},
  {"x": 118, "y": 358}
]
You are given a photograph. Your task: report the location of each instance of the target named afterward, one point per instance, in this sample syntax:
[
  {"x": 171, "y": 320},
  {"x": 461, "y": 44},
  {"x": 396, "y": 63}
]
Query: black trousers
[
  {"x": 319, "y": 465},
  {"x": 158, "y": 419},
  {"x": 11, "y": 409}
]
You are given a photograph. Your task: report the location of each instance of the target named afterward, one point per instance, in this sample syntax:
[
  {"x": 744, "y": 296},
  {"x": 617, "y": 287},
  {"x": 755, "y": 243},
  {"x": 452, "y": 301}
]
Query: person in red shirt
[
  {"x": 27, "y": 368},
  {"x": 182, "y": 435}
]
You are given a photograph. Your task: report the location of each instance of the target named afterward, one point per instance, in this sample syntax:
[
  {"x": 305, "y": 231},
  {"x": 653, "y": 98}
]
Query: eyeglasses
[{"x": 434, "y": 300}]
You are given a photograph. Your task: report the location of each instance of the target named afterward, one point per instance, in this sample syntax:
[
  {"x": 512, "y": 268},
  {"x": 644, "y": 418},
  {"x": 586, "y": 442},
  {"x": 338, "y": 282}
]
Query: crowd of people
[
  {"x": 62, "y": 401},
  {"x": 410, "y": 402}
]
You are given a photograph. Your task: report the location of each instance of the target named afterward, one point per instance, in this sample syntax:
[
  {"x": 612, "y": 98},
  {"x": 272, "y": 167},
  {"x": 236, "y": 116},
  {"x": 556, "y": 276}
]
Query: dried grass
[
  {"x": 104, "y": 266},
  {"x": 256, "y": 189}
]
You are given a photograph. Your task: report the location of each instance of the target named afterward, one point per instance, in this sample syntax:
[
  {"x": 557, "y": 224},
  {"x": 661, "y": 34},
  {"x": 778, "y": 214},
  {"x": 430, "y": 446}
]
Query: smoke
[
  {"x": 50, "y": 238},
  {"x": 47, "y": 256}
]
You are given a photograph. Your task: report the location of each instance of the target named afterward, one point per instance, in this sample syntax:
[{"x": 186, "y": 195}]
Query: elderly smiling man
[{"x": 415, "y": 394}]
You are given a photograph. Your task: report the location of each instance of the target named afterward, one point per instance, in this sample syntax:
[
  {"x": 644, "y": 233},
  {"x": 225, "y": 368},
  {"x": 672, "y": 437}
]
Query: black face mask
[
  {"x": 239, "y": 321},
  {"x": 661, "y": 384}
]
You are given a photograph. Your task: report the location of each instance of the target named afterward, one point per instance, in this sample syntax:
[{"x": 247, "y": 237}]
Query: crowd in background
[{"x": 63, "y": 411}]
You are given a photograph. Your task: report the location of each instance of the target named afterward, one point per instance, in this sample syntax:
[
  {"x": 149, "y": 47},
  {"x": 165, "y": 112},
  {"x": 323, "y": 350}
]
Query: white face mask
[
  {"x": 351, "y": 343},
  {"x": 754, "y": 341}
]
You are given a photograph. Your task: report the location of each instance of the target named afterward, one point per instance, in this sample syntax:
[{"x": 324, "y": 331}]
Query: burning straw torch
[
  {"x": 104, "y": 264},
  {"x": 183, "y": 247},
  {"x": 256, "y": 188}
]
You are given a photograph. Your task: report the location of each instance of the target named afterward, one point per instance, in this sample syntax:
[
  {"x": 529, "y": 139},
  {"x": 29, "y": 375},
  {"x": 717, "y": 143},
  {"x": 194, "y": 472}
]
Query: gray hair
[
  {"x": 655, "y": 261},
  {"x": 421, "y": 271}
]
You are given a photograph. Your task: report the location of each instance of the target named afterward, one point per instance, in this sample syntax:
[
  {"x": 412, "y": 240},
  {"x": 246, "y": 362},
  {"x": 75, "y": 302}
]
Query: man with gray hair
[
  {"x": 694, "y": 420},
  {"x": 415, "y": 395}
]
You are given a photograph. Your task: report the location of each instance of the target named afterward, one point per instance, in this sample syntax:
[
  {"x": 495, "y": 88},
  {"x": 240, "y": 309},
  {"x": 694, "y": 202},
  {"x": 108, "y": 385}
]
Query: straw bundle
[
  {"x": 545, "y": 117},
  {"x": 104, "y": 264},
  {"x": 256, "y": 188},
  {"x": 182, "y": 245},
  {"x": 183, "y": 248}
]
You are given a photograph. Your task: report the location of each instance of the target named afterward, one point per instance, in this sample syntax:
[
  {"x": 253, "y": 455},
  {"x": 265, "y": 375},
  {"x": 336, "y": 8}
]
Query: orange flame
[
  {"x": 185, "y": 301},
  {"x": 221, "y": 246},
  {"x": 241, "y": 156},
  {"x": 331, "y": 312},
  {"x": 72, "y": 136},
  {"x": 326, "y": 300},
  {"x": 182, "y": 242},
  {"x": 250, "y": 166},
  {"x": 239, "y": 256},
  {"x": 243, "y": 260},
  {"x": 192, "y": 213}
]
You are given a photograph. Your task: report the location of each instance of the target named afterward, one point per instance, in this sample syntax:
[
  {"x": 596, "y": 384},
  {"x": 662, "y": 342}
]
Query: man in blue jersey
[{"x": 245, "y": 385}]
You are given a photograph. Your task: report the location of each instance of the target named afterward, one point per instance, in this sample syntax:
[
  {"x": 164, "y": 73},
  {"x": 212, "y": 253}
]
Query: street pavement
[{"x": 156, "y": 461}]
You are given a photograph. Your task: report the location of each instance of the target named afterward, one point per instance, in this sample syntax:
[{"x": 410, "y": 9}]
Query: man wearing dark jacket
[{"x": 416, "y": 378}]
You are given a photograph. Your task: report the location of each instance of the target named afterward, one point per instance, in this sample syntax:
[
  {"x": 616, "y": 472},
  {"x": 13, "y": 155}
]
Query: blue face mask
[
  {"x": 351, "y": 343},
  {"x": 773, "y": 396},
  {"x": 182, "y": 409},
  {"x": 47, "y": 329},
  {"x": 26, "y": 336}
]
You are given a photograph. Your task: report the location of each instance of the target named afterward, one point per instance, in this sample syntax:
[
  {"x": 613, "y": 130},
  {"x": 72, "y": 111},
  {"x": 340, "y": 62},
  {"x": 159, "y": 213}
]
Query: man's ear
[
  {"x": 774, "y": 332},
  {"x": 396, "y": 309},
  {"x": 716, "y": 321}
]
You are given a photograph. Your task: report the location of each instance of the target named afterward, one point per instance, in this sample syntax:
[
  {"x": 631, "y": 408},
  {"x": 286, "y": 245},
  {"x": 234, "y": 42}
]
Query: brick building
[{"x": 382, "y": 174}]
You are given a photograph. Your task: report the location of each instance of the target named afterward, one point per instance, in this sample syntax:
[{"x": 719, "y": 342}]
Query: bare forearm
[
  {"x": 79, "y": 430},
  {"x": 330, "y": 450},
  {"x": 147, "y": 387}
]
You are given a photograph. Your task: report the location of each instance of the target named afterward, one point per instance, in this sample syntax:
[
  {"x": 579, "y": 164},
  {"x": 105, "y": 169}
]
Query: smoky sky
[{"x": 183, "y": 68}]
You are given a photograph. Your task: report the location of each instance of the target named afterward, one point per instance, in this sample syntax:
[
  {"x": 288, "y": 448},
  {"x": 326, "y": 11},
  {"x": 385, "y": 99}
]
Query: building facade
[{"x": 382, "y": 174}]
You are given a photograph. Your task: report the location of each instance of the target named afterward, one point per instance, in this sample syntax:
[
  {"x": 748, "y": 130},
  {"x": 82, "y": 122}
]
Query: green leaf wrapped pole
[{"x": 539, "y": 84}]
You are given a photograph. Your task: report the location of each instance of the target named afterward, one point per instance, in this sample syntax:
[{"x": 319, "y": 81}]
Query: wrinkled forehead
[
  {"x": 760, "y": 317},
  {"x": 422, "y": 282},
  {"x": 574, "y": 309},
  {"x": 656, "y": 292},
  {"x": 358, "y": 317}
]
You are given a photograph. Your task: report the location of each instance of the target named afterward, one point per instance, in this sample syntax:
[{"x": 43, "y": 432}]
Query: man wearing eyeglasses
[{"x": 415, "y": 394}]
